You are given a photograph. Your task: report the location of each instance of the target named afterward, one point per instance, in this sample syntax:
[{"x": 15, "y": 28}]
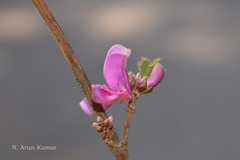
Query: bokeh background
[{"x": 193, "y": 114}]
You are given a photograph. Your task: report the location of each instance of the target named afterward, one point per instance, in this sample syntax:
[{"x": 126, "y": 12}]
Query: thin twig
[
  {"x": 131, "y": 111},
  {"x": 75, "y": 65},
  {"x": 67, "y": 51}
]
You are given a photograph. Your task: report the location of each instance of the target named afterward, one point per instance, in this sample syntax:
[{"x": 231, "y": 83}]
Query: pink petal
[
  {"x": 84, "y": 104},
  {"x": 156, "y": 76},
  {"x": 103, "y": 95},
  {"x": 115, "y": 69}
]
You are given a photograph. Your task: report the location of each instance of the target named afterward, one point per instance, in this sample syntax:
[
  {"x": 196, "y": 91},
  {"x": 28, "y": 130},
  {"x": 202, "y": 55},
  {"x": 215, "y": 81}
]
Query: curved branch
[{"x": 75, "y": 65}]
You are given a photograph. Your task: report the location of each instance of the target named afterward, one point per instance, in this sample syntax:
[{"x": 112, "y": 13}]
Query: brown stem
[
  {"x": 75, "y": 65},
  {"x": 122, "y": 157},
  {"x": 131, "y": 111},
  {"x": 67, "y": 52}
]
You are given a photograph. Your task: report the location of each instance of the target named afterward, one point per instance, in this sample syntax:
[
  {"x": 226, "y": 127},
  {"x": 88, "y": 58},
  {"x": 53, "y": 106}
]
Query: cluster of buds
[
  {"x": 104, "y": 127},
  {"x": 149, "y": 76}
]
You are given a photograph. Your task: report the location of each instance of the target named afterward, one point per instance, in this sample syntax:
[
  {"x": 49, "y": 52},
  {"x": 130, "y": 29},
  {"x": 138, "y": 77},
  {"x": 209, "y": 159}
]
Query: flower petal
[
  {"x": 156, "y": 76},
  {"x": 85, "y": 105},
  {"x": 103, "y": 95},
  {"x": 115, "y": 69}
]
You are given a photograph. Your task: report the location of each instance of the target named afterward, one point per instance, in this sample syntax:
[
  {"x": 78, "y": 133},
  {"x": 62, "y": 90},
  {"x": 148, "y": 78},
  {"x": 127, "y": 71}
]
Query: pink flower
[
  {"x": 116, "y": 75},
  {"x": 118, "y": 87}
]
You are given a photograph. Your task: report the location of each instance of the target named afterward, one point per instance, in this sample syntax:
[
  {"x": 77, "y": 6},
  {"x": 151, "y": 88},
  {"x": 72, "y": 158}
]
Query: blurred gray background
[{"x": 193, "y": 114}]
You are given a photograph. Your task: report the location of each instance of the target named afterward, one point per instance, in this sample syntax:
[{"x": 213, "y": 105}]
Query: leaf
[
  {"x": 155, "y": 61},
  {"x": 145, "y": 66}
]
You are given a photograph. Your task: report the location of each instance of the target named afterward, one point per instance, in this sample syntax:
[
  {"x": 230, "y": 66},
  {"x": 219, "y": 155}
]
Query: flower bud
[
  {"x": 156, "y": 76},
  {"x": 86, "y": 107}
]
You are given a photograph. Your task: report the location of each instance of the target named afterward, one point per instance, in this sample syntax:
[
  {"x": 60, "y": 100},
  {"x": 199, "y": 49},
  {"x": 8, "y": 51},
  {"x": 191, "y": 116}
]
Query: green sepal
[
  {"x": 155, "y": 61},
  {"x": 145, "y": 66}
]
